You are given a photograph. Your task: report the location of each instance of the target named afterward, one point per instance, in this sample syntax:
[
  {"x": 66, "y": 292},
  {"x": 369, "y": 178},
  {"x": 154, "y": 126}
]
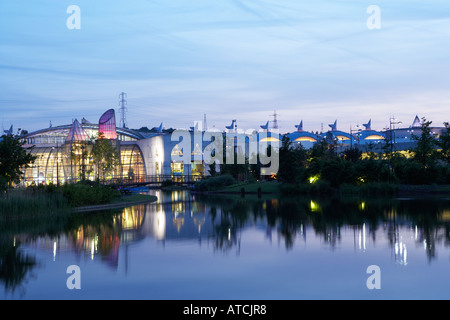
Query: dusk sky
[{"x": 315, "y": 61}]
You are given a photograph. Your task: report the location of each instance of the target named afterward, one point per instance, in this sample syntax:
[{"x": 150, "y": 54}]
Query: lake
[{"x": 187, "y": 246}]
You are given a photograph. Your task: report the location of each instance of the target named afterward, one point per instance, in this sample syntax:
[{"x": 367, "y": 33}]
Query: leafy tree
[
  {"x": 352, "y": 154},
  {"x": 324, "y": 148},
  {"x": 444, "y": 143},
  {"x": 105, "y": 156},
  {"x": 13, "y": 158},
  {"x": 425, "y": 150},
  {"x": 291, "y": 162}
]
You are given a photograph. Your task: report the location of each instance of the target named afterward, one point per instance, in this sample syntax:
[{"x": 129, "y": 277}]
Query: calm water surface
[{"x": 191, "y": 247}]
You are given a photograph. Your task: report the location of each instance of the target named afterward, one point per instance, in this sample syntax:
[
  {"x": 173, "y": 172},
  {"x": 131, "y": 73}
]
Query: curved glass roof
[
  {"x": 340, "y": 135},
  {"x": 107, "y": 125},
  {"x": 371, "y": 135},
  {"x": 303, "y": 136},
  {"x": 58, "y": 134},
  {"x": 269, "y": 137}
]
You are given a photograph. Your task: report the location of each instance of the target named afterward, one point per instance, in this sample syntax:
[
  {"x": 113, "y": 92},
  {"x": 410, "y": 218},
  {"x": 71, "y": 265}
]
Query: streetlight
[{"x": 392, "y": 123}]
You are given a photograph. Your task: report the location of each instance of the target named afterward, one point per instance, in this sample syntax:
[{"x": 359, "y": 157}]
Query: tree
[
  {"x": 292, "y": 161},
  {"x": 352, "y": 154},
  {"x": 105, "y": 156},
  {"x": 425, "y": 150},
  {"x": 13, "y": 158},
  {"x": 444, "y": 143}
]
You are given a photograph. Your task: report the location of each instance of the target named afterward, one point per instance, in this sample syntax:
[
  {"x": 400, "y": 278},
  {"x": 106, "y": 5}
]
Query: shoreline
[
  {"x": 116, "y": 205},
  {"x": 401, "y": 190}
]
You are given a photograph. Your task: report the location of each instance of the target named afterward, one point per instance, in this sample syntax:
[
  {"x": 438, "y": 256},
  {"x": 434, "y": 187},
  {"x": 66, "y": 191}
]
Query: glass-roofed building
[{"x": 63, "y": 152}]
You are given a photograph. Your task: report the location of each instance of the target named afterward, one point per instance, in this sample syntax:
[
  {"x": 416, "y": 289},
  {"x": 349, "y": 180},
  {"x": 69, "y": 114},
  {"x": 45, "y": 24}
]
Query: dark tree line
[{"x": 426, "y": 163}]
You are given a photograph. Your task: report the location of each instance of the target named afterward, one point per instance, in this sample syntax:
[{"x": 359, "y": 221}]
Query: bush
[
  {"x": 214, "y": 183},
  {"x": 89, "y": 194}
]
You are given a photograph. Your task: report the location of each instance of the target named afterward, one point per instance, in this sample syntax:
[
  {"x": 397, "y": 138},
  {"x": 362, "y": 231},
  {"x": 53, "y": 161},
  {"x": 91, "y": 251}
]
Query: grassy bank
[
  {"x": 31, "y": 203},
  {"x": 51, "y": 200},
  {"x": 252, "y": 187},
  {"x": 227, "y": 184},
  {"x": 122, "y": 201}
]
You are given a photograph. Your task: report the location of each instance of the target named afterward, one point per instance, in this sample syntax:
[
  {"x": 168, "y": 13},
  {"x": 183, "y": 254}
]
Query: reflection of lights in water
[
  {"x": 178, "y": 220},
  {"x": 92, "y": 249},
  {"x": 132, "y": 217},
  {"x": 229, "y": 234},
  {"x": 159, "y": 225},
  {"x": 54, "y": 250},
  {"x": 362, "y": 238},
  {"x": 400, "y": 252}
]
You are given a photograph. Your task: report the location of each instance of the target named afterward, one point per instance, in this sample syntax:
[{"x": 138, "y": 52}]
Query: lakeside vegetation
[
  {"x": 52, "y": 200},
  {"x": 323, "y": 170}
]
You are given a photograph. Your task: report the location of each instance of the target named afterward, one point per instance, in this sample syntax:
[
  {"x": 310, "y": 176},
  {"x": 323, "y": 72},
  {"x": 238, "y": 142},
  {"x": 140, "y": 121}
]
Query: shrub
[
  {"x": 214, "y": 183},
  {"x": 89, "y": 194}
]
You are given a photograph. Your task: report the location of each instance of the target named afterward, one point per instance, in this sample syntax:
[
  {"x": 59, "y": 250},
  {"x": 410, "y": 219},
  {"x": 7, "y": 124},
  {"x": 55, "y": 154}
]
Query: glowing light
[
  {"x": 362, "y": 206},
  {"x": 270, "y": 139},
  {"x": 374, "y": 137},
  {"x": 314, "y": 179},
  {"x": 315, "y": 207},
  {"x": 306, "y": 139}
]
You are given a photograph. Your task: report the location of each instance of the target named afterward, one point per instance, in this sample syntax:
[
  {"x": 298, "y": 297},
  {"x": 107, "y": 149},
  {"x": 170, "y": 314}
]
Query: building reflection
[{"x": 178, "y": 216}]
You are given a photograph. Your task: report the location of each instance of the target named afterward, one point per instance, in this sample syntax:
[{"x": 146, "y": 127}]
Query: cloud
[{"x": 229, "y": 59}]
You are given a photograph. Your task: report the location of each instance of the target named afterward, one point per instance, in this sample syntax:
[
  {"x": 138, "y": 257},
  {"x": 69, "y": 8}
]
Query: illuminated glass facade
[
  {"x": 64, "y": 154},
  {"x": 107, "y": 125},
  {"x": 132, "y": 163}
]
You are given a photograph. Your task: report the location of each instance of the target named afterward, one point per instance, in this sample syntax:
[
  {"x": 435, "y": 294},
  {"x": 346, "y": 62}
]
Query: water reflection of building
[
  {"x": 95, "y": 240},
  {"x": 176, "y": 216}
]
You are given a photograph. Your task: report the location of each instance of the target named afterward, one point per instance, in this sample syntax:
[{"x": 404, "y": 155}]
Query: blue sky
[{"x": 314, "y": 61}]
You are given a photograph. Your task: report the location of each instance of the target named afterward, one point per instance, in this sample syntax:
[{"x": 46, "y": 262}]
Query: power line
[
  {"x": 275, "y": 121},
  {"x": 123, "y": 109}
]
